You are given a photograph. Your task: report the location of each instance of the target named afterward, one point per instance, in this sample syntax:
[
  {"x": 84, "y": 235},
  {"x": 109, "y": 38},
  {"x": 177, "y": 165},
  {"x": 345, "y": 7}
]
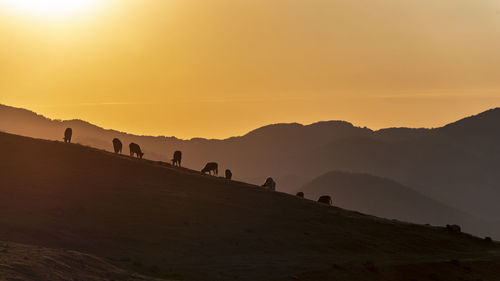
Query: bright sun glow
[{"x": 49, "y": 8}]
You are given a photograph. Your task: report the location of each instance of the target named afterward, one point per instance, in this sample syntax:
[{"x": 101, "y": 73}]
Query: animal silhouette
[
  {"x": 270, "y": 184},
  {"x": 229, "y": 174},
  {"x": 117, "y": 145},
  {"x": 325, "y": 199},
  {"x": 453, "y": 228},
  {"x": 67, "y": 135},
  {"x": 211, "y": 166},
  {"x": 135, "y": 149},
  {"x": 300, "y": 194},
  {"x": 177, "y": 158}
]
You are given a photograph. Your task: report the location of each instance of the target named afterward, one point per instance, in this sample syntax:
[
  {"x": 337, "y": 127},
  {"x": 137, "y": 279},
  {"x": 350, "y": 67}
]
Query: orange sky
[{"x": 222, "y": 67}]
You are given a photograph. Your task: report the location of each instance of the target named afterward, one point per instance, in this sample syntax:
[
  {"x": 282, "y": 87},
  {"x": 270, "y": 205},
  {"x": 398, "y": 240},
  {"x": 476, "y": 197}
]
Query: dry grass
[{"x": 26, "y": 263}]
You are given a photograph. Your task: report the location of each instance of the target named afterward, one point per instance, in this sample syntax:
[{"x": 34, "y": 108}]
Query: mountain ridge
[{"x": 488, "y": 114}]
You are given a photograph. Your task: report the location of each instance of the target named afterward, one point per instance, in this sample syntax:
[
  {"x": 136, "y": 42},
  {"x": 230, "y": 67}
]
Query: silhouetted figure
[
  {"x": 211, "y": 166},
  {"x": 177, "y": 158},
  {"x": 117, "y": 145},
  {"x": 67, "y": 135},
  {"x": 270, "y": 184},
  {"x": 300, "y": 194},
  {"x": 488, "y": 239},
  {"x": 325, "y": 199},
  {"x": 453, "y": 228},
  {"x": 135, "y": 149},
  {"x": 229, "y": 174}
]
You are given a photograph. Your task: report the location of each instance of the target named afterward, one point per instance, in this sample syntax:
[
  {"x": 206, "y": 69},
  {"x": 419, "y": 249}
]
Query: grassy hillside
[
  {"x": 175, "y": 223},
  {"x": 252, "y": 158},
  {"x": 27, "y": 263}
]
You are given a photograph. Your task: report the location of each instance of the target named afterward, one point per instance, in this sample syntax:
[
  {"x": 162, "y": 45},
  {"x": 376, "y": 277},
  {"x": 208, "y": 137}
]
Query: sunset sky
[{"x": 217, "y": 68}]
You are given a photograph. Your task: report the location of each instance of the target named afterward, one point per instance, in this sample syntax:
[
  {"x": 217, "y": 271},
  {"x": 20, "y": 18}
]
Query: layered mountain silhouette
[
  {"x": 457, "y": 165},
  {"x": 136, "y": 216},
  {"x": 385, "y": 198}
]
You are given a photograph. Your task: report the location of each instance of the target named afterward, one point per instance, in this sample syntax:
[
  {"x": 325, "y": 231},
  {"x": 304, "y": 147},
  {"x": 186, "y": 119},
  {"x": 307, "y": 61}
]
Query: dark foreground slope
[
  {"x": 177, "y": 224},
  {"x": 27, "y": 263}
]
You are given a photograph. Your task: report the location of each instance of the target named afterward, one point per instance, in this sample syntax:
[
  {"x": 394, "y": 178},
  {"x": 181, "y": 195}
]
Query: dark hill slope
[
  {"x": 28, "y": 263},
  {"x": 178, "y": 224}
]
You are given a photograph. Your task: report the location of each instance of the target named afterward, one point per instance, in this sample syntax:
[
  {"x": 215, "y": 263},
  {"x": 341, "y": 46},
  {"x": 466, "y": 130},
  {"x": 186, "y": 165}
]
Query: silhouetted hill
[
  {"x": 462, "y": 173},
  {"x": 457, "y": 164},
  {"x": 481, "y": 125},
  {"x": 151, "y": 218},
  {"x": 264, "y": 152},
  {"x": 384, "y": 198}
]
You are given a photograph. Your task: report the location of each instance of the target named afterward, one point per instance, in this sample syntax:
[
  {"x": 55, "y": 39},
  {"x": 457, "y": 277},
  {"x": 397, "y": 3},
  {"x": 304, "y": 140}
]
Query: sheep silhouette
[
  {"x": 117, "y": 145},
  {"x": 300, "y": 194},
  {"x": 325, "y": 199},
  {"x": 135, "y": 149},
  {"x": 67, "y": 135},
  {"x": 270, "y": 184},
  {"x": 229, "y": 174},
  {"x": 177, "y": 158},
  {"x": 211, "y": 166}
]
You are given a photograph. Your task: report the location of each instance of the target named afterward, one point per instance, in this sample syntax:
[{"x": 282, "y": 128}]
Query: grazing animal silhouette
[
  {"x": 177, "y": 158},
  {"x": 300, "y": 194},
  {"x": 453, "y": 228},
  {"x": 117, "y": 145},
  {"x": 67, "y": 135},
  {"x": 270, "y": 184},
  {"x": 325, "y": 199},
  {"x": 229, "y": 174},
  {"x": 135, "y": 149},
  {"x": 211, "y": 166}
]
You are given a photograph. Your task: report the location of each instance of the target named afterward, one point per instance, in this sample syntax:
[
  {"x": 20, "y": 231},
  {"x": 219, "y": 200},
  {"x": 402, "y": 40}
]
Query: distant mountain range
[{"x": 457, "y": 165}]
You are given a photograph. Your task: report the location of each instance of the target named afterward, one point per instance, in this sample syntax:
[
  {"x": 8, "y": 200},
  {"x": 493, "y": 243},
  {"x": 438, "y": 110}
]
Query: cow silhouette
[
  {"x": 453, "y": 228},
  {"x": 117, "y": 145},
  {"x": 135, "y": 149},
  {"x": 270, "y": 184},
  {"x": 325, "y": 199},
  {"x": 67, "y": 135},
  {"x": 211, "y": 167},
  {"x": 229, "y": 174},
  {"x": 177, "y": 158},
  {"x": 300, "y": 194}
]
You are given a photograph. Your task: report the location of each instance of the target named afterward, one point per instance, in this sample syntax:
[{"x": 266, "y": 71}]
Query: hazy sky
[{"x": 216, "y": 68}]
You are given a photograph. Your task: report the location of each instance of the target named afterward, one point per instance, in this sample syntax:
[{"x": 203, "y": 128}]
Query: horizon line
[{"x": 248, "y": 132}]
